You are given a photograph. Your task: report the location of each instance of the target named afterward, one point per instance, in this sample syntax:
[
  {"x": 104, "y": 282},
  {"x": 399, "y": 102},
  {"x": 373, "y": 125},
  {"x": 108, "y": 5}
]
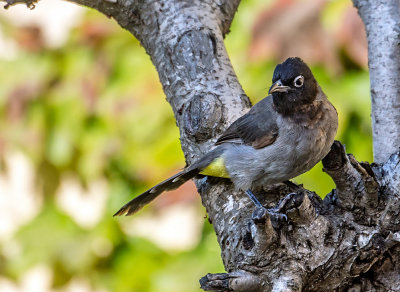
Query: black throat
[{"x": 297, "y": 99}]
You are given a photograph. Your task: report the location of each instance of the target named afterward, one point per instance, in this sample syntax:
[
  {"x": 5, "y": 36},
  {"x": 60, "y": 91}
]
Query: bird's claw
[
  {"x": 277, "y": 216},
  {"x": 260, "y": 214}
]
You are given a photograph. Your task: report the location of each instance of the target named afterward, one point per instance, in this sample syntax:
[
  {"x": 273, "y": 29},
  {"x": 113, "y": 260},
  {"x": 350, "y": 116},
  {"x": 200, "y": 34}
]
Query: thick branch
[{"x": 382, "y": 23}]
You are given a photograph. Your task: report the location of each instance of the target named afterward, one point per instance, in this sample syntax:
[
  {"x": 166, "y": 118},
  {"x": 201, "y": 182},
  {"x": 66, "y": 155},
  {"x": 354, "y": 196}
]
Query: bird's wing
[{"x": 257, "y": 128}]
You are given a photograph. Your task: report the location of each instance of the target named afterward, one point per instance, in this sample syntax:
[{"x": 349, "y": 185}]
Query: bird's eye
[{"x": 298, "y": 81}]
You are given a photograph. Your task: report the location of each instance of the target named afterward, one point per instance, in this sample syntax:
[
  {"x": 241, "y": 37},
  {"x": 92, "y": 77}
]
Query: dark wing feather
[{"x": 257, "y": 128}]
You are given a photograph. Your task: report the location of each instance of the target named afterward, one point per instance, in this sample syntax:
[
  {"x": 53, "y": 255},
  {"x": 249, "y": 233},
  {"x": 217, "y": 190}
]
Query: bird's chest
[{"x": 309, "y": 142}]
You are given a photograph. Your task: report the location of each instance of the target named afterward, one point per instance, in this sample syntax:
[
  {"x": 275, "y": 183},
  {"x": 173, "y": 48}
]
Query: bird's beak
[{"x": 278, "y": 87}]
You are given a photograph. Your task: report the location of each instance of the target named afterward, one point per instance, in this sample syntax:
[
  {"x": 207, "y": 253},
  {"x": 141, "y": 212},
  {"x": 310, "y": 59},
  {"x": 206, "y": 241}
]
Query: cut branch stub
[
  {"x": 351, "y": 177},
  {"x": 306, "y": 212},
  {"x": 239, "y": 281}
]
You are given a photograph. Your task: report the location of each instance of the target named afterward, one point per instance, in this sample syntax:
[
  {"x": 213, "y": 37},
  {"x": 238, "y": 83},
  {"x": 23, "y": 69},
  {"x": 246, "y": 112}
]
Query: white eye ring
[{"x": 298, "y": 81}]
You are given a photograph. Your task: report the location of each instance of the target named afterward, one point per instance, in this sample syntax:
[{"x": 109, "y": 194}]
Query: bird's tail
[{"x": 171, "y": 183}]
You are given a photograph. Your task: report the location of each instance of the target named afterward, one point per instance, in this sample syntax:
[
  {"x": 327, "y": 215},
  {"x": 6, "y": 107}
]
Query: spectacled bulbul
[{"x": 281, "y": 137}]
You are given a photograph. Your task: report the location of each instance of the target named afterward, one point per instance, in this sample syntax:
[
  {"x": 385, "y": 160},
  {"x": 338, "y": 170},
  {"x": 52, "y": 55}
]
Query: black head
[{"x": 293, "y": 85}]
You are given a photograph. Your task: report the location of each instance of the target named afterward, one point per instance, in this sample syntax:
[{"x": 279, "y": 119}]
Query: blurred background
[{"x": 84, "y": 126}]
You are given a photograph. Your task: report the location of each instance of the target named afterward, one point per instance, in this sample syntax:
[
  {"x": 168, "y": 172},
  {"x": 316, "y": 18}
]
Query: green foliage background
[{"x": 94, "y": 109}]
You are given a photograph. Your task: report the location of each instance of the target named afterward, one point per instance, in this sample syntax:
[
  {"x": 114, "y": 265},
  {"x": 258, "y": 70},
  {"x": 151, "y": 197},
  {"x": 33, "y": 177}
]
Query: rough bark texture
[
  {"x": 350, "y": 241},
  {"x": 382, "y": 24}
]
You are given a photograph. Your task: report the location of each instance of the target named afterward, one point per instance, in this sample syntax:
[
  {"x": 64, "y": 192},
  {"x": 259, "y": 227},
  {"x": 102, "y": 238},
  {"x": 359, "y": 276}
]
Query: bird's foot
[
  {"x": 287, "y": 200},
  {"x": 260, "y": 215},
  {"x": 280, "y": 217},
  {"x": 276, "y": 215}
]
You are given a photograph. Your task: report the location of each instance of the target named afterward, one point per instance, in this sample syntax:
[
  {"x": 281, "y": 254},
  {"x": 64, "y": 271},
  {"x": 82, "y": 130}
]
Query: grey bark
[
  {"x": 350, "y": 241},
  {"x": 382, "y": 24}
]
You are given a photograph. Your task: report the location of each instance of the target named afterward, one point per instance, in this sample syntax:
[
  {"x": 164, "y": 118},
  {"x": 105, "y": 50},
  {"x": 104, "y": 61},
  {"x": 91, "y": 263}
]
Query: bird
[{"x": 280, "y": 137}]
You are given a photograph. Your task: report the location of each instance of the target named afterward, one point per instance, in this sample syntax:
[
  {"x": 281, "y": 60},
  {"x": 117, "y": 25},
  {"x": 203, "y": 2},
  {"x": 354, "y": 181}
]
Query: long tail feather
[{"x": 169, "y": 184}]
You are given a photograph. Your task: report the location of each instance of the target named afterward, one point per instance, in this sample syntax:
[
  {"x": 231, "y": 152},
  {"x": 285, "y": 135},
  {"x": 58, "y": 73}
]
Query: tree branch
[{"x": 382, "y": 24}]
